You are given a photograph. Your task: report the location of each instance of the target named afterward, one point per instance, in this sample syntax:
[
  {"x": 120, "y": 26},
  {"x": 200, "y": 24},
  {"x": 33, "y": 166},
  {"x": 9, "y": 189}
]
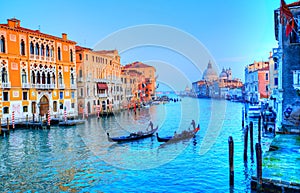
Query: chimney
[
  {"x": 13, "y": 23},
  {"x": 64, "y": 36}
]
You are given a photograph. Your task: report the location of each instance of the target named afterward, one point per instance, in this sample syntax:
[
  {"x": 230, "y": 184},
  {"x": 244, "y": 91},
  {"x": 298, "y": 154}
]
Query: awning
[{"x": 102, "y": 86}]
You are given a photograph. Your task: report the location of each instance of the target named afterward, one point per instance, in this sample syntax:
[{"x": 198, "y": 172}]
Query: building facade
[
  {"x": 38, "y": 73},
  {"x": 286, "y": 56},
  {"x": 147, "y": 82},
  {"x": 99, "y": 81}
]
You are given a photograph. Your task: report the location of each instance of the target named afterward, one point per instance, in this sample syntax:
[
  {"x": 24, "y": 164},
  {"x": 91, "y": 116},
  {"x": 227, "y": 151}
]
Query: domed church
[{"x": 210, "y": 74}]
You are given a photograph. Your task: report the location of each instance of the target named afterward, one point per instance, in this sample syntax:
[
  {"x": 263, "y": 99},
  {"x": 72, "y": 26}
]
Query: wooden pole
[
  {"x": 251, "y": 138},
  {"x": 245, "y": 143},
  {"x": 231, "y": 168},
  {"x": 259, "y": 130},
  {"x": 243, "y": 117},
  {"x": 259, "y": 166},
  {"x": 0, "y": 127},
  {"x": 7, "y": 121}
]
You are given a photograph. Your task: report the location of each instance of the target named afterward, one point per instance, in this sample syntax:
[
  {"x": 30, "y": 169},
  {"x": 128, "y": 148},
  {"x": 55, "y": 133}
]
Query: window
[
  {"x": 25, "y": 96},
  {"x": 51, "y": 52},
  {"x": 4, "y": 75},
  {"x": 25, "y": 109},
  {"x": 54, "y": 106},
  {"x": 47, "y": 51},
  {"x": 71, "y": 55},
  {"x": 80, "y": 56},
  {"x": 37, "y": 49},
  {"x": 276, "y": 81},
  {"x": 58, "y": 53},
  {"x": 5, "y": 96},
  {"x": 32, "y": 77},
  {"x": 72, "y": 105},
  {"x": 267, "y": 76},
  {"x": 80, "y": 73},
  {"x": 61, "y": 106},
  {"x": 267, "y": 88},
  {"x": 22, "y": 48},
  {"x": 42, "y": 50},
  {"x": 73, "y": 94},
  {"x": 94, "y": 102},
  {"x": 60, "y": 78},
  {"x": 31, "y": 48},
  {"x": 86, "y": 57},
  {"x": 6, "y": 110},
  {"x": 24, "y": 76},
  {"x": 2, "y": 44},
  {"x": 38, "y": 78},
  {"x": 72, "y": 78},
  {"x": 61, "y": 95},
  {"x": 81, "y": 92}
]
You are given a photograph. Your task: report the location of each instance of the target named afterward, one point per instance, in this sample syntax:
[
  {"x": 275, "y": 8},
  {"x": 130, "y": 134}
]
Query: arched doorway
[{"x": 44, "y": 105}]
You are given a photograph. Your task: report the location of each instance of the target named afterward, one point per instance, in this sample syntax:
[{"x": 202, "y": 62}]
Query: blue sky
[{"x": 234, "y": 32}]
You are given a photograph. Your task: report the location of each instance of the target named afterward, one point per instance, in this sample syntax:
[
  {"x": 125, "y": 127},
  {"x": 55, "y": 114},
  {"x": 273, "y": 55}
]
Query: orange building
[
  {"x": 147, "y": 85},
  {"x": 37, "y": 72},
  {"x": 264, "y": 82}
]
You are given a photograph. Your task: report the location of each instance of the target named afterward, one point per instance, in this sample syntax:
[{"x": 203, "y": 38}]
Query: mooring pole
[
  {"x": 251, "y": 138},
  {"x": 259, "y": 130},
  {"x": 231, "y": 168},
  {"x": 259, "y": 166},
  {"x": 243, "y": 117},
  {"x": 245, "y": 143}
]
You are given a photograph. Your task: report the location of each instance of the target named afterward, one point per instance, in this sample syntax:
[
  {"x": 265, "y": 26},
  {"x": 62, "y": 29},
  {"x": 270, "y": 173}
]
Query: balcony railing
[
  {"x": 6, "y": 85},
  {"x": 25, "y": 85},
  {"x": 102, "y": 95},
  {"x": 43, "y": 86},
  {"x": 61, "y": 86},
  {"x": 73, "y": 86}
]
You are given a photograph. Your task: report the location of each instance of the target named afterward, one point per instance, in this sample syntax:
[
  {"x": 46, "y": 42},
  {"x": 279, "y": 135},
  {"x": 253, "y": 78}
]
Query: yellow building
[
  {"x": 37, "y": 72},
  {"x": 99, "y": 81}
]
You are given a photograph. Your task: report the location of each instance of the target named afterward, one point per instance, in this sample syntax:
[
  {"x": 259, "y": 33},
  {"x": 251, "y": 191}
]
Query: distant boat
[
  {"x": 132, "y": 136},
  {"x": 178, "y": 137}
]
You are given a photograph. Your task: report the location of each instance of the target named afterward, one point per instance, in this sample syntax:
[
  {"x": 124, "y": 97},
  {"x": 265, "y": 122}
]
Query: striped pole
[
  {"x": 13, "y": 119},
  {"x": 98, "y": 111},
  {"x": 49, "y": 119},
  {"x": 82, "y": 113},
  {"x": 65, "y": 115}
]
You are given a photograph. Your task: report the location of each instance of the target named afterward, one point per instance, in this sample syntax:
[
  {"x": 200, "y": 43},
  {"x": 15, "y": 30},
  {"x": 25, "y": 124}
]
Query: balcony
[
  {"x": 42, "y": 86},
  {"x": 61, "y": 86},
  {"x": 25, "y": 85},
  {"x": 73, "y": 86},
  {"x": 6, "y": 85},
  {"x": 102, "y": 95}
]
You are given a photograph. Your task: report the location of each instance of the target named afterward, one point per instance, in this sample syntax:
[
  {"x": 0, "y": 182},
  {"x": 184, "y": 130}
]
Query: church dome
[
  {"x": 223, "y": 74},
  {"x": 210, "y": 74}
]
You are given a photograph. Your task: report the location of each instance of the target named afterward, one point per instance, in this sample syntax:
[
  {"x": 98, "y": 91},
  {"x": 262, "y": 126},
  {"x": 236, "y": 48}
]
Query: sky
[{"x": 230, "y": 33}]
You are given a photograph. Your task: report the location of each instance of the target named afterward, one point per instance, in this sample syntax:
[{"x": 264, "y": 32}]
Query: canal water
[{"x": 80, "y": 158}]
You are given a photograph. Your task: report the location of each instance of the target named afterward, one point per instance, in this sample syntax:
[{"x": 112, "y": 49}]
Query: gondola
[
  {"x": 178, "y": 137},
  {"x": 132, "y": 136}
]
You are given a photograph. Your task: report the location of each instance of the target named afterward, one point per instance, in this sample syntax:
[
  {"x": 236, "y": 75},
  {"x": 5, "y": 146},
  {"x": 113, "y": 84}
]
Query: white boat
[{"x": 254, "y": 111}]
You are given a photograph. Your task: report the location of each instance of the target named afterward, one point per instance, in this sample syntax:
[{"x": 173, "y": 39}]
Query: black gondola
[
  {"x": 178, "y": 137},
  {"x": 132, "y": 136}
]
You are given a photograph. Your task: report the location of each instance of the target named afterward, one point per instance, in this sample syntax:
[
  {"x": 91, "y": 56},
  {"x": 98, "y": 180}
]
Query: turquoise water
[{"x": 80, "y": 159}]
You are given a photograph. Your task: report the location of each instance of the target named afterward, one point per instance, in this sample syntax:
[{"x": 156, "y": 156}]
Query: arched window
[
  {"x": 22, "y": 48},
  {"x": 42, "y": 50},
  {"x": 37, "y": 49},
  {"x": 38, "y": 77},
  {"x": 53, "y": 78},
  {"x": 72, "y": 78},
  {"x": 32, "y": 77},
  {"x": 31, "y": 48},
  {"x": 43, "y": 78},
  {"x": 24, "y": 76},
  {"x": 71, "y": 55},
  {"x": 2, "y": 44},
  {"x": 47, "y": 51},
  {"x": 58, "y": 53},
  {"x": 48, "y": 78},
  {"x": 4, "y": 75},
  {"x": 51, "y": 52},
  {"x": 60, "y": 78}
]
